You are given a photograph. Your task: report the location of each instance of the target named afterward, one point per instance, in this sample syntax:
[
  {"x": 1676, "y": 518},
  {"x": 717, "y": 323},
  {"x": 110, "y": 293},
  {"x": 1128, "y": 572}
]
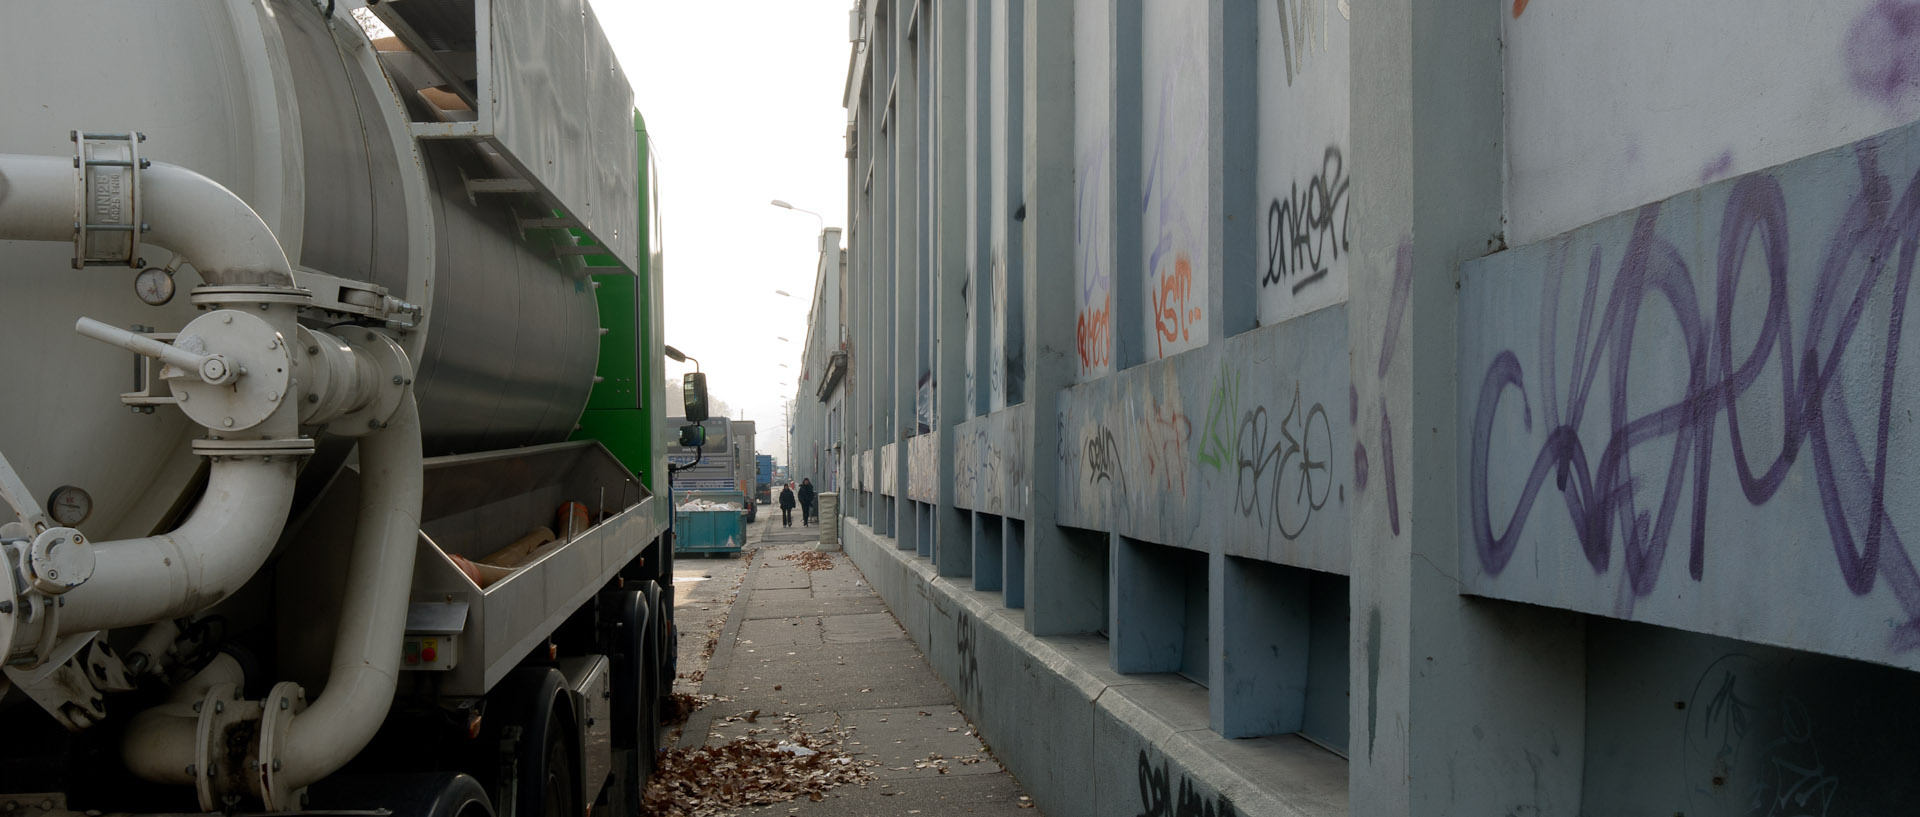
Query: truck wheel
[
  {"x": 635, "y": 719},
  {"x": 529, "y": 719},
  {"x": 562, "y": 791}
]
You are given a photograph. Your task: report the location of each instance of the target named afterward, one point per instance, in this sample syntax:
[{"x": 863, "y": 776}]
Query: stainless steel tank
[{"x": 297, "y": 113}]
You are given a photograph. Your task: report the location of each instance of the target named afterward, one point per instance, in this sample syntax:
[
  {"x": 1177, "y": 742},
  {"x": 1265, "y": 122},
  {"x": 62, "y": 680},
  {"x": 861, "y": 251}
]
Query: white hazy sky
[{"x": 743, "y": 103}]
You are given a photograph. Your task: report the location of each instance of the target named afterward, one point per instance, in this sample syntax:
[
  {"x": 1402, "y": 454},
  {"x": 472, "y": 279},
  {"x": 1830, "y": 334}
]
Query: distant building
[{"x": 815, "y": 422}]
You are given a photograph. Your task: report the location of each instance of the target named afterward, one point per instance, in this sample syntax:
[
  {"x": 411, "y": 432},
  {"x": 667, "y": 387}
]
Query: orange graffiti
[
  {"x": 1094, "y": 336},
  {"x": 1519, "y": 6},
  {"x": 1173, "y": 317}
]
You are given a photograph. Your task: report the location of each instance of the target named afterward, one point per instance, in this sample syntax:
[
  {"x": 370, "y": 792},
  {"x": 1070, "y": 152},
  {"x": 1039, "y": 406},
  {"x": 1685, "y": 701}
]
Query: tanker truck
[{"x": 330, "y": 335}]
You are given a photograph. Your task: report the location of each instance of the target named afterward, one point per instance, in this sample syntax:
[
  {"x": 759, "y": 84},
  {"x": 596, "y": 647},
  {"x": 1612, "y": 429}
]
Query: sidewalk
[{"x": 819, "y": 650}]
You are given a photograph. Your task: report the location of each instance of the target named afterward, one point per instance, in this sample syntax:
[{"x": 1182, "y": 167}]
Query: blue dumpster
[{"x": 708, "y": 531}]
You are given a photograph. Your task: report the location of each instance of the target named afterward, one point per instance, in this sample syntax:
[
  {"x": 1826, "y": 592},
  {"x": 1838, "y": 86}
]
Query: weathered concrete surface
[
  {"x": 1083, "y": 739},
  {"x": 1693, "y": 371}
]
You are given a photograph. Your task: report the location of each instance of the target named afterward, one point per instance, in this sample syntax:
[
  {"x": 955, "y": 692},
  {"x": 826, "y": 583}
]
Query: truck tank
[
  {"x": 304, "y": 126},
  {"x": 296, "y": 227}
]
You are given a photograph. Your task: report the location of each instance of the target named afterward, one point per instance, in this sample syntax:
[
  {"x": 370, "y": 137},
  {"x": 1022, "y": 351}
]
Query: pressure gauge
[
  {"x": 154, "y": 286},
  {"x": 70, "y": 506}
]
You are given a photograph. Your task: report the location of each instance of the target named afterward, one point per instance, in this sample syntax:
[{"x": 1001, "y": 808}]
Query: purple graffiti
[
  {"x": 1849, "y": 451},
  {"x": 1883, "y": 51}
]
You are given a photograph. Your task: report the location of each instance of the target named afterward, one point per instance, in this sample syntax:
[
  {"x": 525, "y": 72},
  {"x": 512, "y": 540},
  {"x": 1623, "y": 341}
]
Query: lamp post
[{"x": 816, "y": 216}]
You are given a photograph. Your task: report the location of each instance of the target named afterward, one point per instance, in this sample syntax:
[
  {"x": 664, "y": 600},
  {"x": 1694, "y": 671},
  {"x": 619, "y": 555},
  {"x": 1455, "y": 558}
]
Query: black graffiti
[
  {"x": 1304, "y": 442},
  {"x": 964, "y": 644},
  {"x": 1308, "y": 229},
  {"x": 1103, "y": 459},
  {"x": 1158, "y": 799}
]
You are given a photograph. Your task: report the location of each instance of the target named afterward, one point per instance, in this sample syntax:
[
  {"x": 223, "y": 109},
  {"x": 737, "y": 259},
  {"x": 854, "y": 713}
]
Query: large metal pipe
[
  {"x": 190, "y": 214},
  {"x": 221, "y": 545},
  {"x": 159, "y": 737},
  {"x": 373, "y": 614}
]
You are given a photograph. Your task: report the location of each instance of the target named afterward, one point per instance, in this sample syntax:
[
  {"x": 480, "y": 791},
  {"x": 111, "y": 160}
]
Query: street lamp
[
  {"x": 782, "y": 204},
  {"x": 783, "y": 293}
]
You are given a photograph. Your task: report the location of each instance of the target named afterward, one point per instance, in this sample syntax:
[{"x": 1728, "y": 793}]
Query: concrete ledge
[{"x": 1083, "y": 739}]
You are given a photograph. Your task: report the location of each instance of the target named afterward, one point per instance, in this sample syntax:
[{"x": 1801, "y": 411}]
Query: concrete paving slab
[
  {"x": 970, "y": 794},
  {"x": 774, "y": 578},
  {"x": 760, "y": 606},
  {"x": 854, "y": 686},
  {"x": 860, "y": 628},
  {"x": 917, "y": 742},
  {"x": 780, "y": 631},
  {"x": 824, "y": 660},
  {"x": 784, "y": 594}
]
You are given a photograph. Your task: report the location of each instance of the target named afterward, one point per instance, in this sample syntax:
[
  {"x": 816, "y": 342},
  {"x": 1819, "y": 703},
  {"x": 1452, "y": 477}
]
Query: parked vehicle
[
  {"x": 743, "y": 467},
  {"x": 706, "y": 481},
  {"x": 380, "y": 521},
  {"x": 763, "y": 478}
]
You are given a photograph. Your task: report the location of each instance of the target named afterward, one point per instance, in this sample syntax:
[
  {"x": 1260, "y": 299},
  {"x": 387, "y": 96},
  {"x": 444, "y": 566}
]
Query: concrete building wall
[{"x": 1393, "y": 408}]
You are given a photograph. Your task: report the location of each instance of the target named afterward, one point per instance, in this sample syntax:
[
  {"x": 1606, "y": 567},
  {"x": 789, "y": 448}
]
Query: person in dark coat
[
  {"x": 809, "y": 508},
  {"x": 786, "y": 506}
]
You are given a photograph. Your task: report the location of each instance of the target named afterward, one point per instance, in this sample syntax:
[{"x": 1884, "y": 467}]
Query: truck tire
[
  {"x": 560, "y": 794},
  {"x": 529, "y": 718},
  {"x": 635, "y": 686}
]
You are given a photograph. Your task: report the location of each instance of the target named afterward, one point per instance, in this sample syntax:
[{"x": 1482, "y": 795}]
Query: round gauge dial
[
  {"x": 70, "y": 506},
  {"x": 154, "y": 286}
]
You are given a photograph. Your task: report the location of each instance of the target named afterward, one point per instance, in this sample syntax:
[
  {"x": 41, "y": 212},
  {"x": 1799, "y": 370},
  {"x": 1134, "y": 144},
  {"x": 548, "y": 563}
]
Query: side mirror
[
  {"x": 693, "y": 436},
  {"x": 695, "y": 387}
]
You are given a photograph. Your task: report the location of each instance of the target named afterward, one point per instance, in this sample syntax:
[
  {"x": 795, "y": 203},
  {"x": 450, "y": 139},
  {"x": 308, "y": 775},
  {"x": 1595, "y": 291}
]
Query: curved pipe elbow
[
  {"x": 189, "y": 214},
  {"x": 220, "y": 546}
]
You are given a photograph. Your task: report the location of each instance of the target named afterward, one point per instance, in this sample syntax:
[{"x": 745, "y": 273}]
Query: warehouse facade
[{"x": 1404, "y": 407}]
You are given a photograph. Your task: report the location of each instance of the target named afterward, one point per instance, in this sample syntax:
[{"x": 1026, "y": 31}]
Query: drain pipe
[
  {"x": 181, "y": 742},
  {"x": 373, "y": 616},
  {"x": 220, "y": 546}
]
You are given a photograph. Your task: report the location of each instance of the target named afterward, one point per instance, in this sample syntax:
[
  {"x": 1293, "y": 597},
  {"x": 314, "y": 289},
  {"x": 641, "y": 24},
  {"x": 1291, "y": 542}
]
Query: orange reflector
[
  {"x": 553, "y": 651},
  {"x": 473, "y": 724}
]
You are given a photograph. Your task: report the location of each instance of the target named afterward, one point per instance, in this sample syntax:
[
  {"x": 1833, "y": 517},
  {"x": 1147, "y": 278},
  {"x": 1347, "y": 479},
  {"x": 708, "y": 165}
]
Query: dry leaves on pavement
[
  {"x": 811, "y": 560},
  {"x": 712, "y": 780}
]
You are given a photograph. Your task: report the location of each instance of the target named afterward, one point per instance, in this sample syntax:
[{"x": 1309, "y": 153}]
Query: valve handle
[{"x": 211, "y": 368}]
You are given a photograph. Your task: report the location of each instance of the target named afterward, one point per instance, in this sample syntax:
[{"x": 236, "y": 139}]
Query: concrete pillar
[
  {"x": 1061, "y": 597},
  {"x": 1434, "y": 668},
  {"x": 860, "y": 300},
  {"x": 905, "y": 229},
  {"x": 952, "y": 530}
]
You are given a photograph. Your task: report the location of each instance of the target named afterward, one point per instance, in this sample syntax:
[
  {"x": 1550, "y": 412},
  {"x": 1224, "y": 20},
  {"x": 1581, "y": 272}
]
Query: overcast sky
[{"x": 742, "y": 101}]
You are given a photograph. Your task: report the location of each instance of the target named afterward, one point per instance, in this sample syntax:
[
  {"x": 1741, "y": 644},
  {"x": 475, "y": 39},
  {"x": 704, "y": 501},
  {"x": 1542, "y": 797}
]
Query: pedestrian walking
[
  {"x": 786, "y": 506},
  {"x": 809, "y": 509}
]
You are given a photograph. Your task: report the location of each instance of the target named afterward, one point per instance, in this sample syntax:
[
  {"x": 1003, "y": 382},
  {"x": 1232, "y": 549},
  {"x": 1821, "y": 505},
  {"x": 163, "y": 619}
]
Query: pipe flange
[
  {"x": 301, "y": 447},
  {"x": 59, "y": 560},
  {"x": 285, "y": 702},
  {"x": 256, "y": 358},
  {"x": 392, "y": 377},
  {"x": 213, "y": 296},
  {"x": 226, "y": 738}
]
